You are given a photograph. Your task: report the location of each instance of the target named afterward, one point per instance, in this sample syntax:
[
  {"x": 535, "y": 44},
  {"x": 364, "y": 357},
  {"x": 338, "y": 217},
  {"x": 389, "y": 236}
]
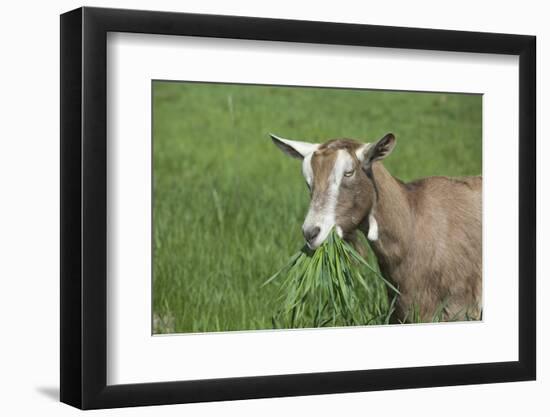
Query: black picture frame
[{"x": 84, "y": 207}]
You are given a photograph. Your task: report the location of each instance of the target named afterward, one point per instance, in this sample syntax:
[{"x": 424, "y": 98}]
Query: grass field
[{"x": 228, "y": 205}]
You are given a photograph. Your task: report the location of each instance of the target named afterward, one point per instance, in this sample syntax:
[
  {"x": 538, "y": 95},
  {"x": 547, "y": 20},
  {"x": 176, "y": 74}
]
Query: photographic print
[
  {"x": 331, "y": 187},
  {"x": 283, "y": 207}
]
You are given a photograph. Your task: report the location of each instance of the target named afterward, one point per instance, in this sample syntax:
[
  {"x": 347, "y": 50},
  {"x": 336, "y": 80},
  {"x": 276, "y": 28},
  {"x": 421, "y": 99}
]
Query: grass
[
  {"x": 328, "y": 287},
  {"x": 228, "y": 206}
]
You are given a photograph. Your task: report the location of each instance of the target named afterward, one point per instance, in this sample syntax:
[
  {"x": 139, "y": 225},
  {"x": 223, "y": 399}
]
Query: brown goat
[{"x": 426, "y": 234}]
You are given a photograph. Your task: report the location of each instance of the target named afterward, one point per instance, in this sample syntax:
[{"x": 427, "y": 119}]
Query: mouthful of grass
[{"x": 332, "y": 286}]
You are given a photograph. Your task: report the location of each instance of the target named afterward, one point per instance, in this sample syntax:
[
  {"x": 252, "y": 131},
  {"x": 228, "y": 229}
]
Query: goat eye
[{"x": 349, "y": 173}]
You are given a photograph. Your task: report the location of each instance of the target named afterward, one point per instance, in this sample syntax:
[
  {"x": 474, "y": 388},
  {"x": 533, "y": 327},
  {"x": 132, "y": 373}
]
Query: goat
[{"x": 426, "y": 234}]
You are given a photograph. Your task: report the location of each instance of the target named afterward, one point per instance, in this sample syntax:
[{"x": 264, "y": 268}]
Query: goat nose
[{"x": 310, "y": 233}]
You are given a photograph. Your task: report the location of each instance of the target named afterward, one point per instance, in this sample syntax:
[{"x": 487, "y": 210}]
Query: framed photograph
[{"x": 256, "y": 208}]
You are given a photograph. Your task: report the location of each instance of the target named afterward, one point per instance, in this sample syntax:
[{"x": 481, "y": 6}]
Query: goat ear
[
  {"x": 376, "y": 151},
  {"x": 294, "y": 148}
]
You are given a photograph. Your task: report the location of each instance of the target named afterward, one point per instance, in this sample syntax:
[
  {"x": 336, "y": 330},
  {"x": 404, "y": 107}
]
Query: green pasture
[{"x": 228, "y": 205}]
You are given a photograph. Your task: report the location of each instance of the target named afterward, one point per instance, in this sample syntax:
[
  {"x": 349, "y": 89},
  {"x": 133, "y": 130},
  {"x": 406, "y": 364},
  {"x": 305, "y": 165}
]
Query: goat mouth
[{"x": 313, "y": 245}]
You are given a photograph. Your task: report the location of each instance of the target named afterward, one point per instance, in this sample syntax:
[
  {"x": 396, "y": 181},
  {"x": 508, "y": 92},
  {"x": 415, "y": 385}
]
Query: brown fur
[{"x": 429, "y": 242}]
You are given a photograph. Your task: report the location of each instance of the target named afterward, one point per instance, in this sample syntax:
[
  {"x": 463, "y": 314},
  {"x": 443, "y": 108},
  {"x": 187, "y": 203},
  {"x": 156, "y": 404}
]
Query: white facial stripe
[
  {"x": 342, "y": 164},
  {"x": 325, "y": 217}
]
